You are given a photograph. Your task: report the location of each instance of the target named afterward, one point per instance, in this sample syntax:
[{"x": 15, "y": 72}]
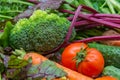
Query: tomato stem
[{"x": 80, "y": 56}]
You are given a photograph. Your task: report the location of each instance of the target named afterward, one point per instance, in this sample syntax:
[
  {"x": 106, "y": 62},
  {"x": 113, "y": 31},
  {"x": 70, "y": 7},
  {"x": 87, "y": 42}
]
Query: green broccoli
[{"x": 41, "y": 32}]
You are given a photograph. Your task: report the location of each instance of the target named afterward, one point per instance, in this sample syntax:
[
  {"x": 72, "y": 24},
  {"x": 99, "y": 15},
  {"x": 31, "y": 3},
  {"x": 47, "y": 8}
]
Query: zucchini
[
  {"x": 111, "y": 54},
  {"x": 111, "y": 71}
]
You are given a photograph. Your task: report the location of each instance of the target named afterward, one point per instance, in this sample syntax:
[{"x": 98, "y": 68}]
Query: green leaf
[
  {"x": 19, "y": 53},
  {"x": 4, "y": 36},
  {"x": 15, "y": 62},
  {"x": 11, "y": 73},
  {"x": 46, "y": 69},
  {"x": 11, "y": 8},
  {"x": 2, "y": 67}
]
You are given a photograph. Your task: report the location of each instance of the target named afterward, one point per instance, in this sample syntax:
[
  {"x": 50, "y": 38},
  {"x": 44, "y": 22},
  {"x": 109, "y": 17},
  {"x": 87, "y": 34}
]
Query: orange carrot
[
  {"x": 71, "y": 75},
  {"x": 106, "y": 78}
]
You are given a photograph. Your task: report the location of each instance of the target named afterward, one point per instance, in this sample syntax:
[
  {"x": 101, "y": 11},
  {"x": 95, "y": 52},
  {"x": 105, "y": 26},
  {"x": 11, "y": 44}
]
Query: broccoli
[{"x": 41, "y": 32}]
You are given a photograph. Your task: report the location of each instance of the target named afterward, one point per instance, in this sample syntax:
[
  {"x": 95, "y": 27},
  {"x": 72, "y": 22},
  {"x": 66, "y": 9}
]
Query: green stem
[
  {"x": 115, "y": 4},
  {"x": 80, "y": 56},
  {"x": 88, "y": 3},
  {"x": 103, "y": 4},
  {"x": 3, "y": 16},
  {"x": 18, "y": 1},
  {"x": 105, "y": 9},
  {"x": 11, "y": 11},
  {"x": 0, "y": 77},
  {"x": 110, "y": 6}
]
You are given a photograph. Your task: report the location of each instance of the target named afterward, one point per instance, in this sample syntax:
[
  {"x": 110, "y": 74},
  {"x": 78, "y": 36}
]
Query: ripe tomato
[
  {"x": 90, "y": 61},
  {"x": 106, "y": 78},
  {"x": 69, "y": 54}
]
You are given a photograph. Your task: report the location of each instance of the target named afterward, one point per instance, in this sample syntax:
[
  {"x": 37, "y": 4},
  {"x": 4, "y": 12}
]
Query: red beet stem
[
  {"x": 99, "y": 38},
  {"x": 107, "y": 23},
  {"x": 73, "y": 24},
  {"x": 114, "y": 20},
  {"x": 66, "y": 41},
  {"x": 89, "y": 9},
  {"x": 83, "y": 22},
  {"x": 89, "y": 26},
  {"x": 70, "y": 18},
  {"x": 105, "y": 15}
]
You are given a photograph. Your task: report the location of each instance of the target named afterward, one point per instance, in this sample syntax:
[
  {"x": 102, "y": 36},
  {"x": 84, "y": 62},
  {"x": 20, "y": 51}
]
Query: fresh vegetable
[
  {"x": 106, "y": 78},
  {"x": 10, "y": 8},
  {"x": 111, "y": 53},
  {"x": 69, "y": 54},
  {"x": 111, "y": 42},
  {"x": 111, "y": 71},
  {"x": 89, "y": 21},
  {"x": 85, "y": 60},
  {"x": 39, "y": 31},
  {"x": 25, "y": 34},
  {"x": 72, "y": 75},
  {"x": 103, "y": 6}
]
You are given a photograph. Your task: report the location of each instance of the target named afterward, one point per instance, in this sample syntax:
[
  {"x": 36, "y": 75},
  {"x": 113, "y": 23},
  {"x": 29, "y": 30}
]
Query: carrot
[
  {"x": 71, "y": 75},
  {"x": 106, "y": 78}
]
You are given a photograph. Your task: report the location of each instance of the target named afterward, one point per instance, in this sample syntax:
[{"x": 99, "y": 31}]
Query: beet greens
[{"x": 89, "y": 20}]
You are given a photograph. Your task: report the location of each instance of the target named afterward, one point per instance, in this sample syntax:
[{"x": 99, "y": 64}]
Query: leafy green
[
  {"x": 39, "y": 31},
  {"x": 10, "y": 8},
  {"x": 4, "y": 36},
  {"x": 15, "y": 62},
  {"x": 2, "y": 67},
  {"x": 19, "y": 53},
  {"x": 46, "y": 69},
  {"x": 103, "y": 6}
]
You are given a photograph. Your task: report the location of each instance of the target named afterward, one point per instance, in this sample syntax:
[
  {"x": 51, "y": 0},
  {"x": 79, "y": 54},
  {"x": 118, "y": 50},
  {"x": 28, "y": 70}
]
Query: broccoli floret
[{"x": 41, "y": 32}]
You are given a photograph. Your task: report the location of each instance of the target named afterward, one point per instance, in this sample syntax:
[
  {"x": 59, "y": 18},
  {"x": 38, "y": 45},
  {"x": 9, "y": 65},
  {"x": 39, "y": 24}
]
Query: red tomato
[
  {"x": 92, "y": 61},
  {"x": 69, "y": 54}
]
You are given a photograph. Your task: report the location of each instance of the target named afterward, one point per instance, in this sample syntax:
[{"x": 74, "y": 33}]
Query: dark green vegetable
[
  {"x": 10, "y": 8},
  {"x": 47, "y": 69},
  {"x": 5, "y": 35},
  {"x": 111, "y": 53},
  {"x": 111, "y": 71},
  {"x": 41, "y": 32}
]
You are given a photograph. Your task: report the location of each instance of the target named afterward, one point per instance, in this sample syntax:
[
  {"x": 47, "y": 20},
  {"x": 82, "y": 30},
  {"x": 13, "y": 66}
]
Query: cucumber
[
  {"x": 111, "y": 71},
  {"x": 111, "y": 54}
]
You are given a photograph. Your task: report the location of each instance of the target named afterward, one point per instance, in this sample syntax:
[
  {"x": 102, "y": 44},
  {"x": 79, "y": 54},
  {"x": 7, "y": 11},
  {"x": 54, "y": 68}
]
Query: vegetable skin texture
[
  {"x": 106, "y": 78},
  {"x": 93, "y": 63},
  {"x": 111, "y": 71},
  {"x": 71, "y": 75},
  {"x": 69, "y": 54},
  {"x": 111, "y": 54},
  {"x": 41, "y": 32},
  {"x": 81, "y": 58}
]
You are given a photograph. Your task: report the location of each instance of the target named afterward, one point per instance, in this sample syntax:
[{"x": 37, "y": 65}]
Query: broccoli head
[{"x": 41, "y": 32}]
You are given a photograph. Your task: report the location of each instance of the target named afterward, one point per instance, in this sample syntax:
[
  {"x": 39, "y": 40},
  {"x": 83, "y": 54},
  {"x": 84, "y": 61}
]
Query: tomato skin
[
  {"x": 69, "y": 54},
  {"x": 93, "y": 63}
]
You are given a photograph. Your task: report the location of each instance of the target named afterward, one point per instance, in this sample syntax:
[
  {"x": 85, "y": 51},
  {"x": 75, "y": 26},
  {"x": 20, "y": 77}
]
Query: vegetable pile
[{"x": 59, "y": 40}]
